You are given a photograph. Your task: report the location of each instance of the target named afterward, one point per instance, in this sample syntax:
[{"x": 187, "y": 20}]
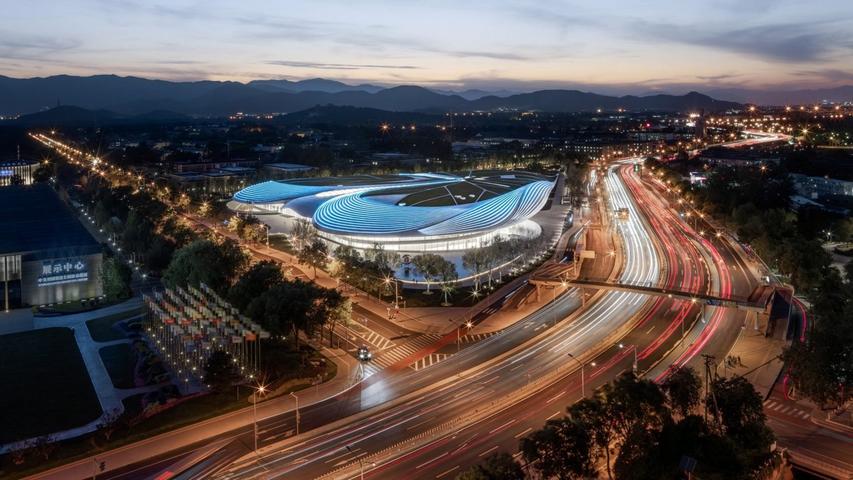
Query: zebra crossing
[
  {"x": 476, "y": 337},
  {"x": 374, "y": 338},
  {"x": 394, "y": 355},
  {"x": 786, "y": 409},
  {"x": 429, "y": 360}
]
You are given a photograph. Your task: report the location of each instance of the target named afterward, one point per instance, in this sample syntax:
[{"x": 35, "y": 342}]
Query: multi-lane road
[
  {"x": 438, "y": 420},
  {"x": 431, "y": 423}
]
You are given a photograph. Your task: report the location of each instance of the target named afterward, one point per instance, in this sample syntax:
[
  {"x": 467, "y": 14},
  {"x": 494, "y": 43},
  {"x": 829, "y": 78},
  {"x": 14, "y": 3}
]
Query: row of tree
[
  {"x": 634, "y": 428},
  {"x": 755, "y": 202}
]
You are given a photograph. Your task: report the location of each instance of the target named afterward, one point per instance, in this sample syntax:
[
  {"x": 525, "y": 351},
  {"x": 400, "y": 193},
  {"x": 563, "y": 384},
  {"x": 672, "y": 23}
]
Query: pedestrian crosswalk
[
  {"x": 375, "y": 339},
  {"x": 394, "y": 355},
  {"x": 476, "y": 337},
  {"x": 429, "y": 360},
  {"x": 786, "y": 409}
]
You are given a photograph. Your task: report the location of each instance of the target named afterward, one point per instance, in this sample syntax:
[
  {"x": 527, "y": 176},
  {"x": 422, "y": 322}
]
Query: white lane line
[
  {"x": 483, "y": 454},
  {"x": 555, "y": 397},
  {"x": 525, "y": 432},
  {"x": 502, "y": 426},
  {"x": 430, "y": 461},
  {"x": 447, "y": 471},
  {"x": 553, "y": 415}
]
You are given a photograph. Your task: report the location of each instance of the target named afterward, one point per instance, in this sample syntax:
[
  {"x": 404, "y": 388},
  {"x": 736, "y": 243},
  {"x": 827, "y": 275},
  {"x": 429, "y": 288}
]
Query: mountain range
[{"x": 130, "y": 96}]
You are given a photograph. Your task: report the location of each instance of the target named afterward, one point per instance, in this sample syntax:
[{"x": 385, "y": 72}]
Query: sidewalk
[
  {"x": 756, "y": 358},
  {"x": 167, "y": 442}
]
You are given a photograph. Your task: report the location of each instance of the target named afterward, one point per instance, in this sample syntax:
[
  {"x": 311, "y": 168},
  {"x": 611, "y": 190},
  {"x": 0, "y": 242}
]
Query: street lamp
[
  {"x": 293, "y": 394},
  {"x": 635, "y": 355},
  {"x": 583, "y": 380},
  {"x": 469, "y": 325},
  {"x": 260, "y": 390}
]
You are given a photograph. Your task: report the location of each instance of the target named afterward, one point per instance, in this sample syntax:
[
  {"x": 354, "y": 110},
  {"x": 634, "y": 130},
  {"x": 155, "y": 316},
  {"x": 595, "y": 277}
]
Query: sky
[{"x": 624, "y": 46}]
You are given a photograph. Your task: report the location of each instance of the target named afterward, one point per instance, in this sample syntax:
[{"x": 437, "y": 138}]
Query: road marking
[
  {"x": 446, "y": 472},
  {"x": 503, "y": 426},
  {"x": 488, "y": 451},
  {"x": 553, "y": 415},
  {"x": 555, "y": 397},
  {"x": 418, "y": 424},
  {"x": 525, "y": 432},
  {"x": 430, "y": 461},
  {"x": 650, "y": 330}
]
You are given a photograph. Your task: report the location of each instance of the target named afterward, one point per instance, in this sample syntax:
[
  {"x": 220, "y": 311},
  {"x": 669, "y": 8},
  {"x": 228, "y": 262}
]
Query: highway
[
  {"x": 495, "y": 391},
  {"x": 459, "y": 447},
  {"x": 394, "y": 406}
]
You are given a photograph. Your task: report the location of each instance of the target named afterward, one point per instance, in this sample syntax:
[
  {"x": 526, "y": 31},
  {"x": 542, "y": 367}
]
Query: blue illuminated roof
[{"x": 364, "y": 209}]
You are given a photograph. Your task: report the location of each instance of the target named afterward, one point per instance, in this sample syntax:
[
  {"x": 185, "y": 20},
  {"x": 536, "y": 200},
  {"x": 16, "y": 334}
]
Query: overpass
[{"x": 757, "y": 301}]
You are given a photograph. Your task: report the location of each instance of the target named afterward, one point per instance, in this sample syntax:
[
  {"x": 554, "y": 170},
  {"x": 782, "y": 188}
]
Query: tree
[
  {"x": 16, "y": 180},
  {"x": 292, "y": 306},
  {"x": 739, "y": 408},
  {"x": 683, "y": 389},
  {"x": 159, "y": 253},
  {"x": 497, "y": 466},
  {"x": 565, "y": 448},
  {"x": 115, "y": 278},
  {"x": 216, "y": 264},
  {"x": 220, "y": 371},
  {"x": 315, "y": 254},
  {"x": 42, "y": 173},
  {"x": 447, "y": 289},
  {"x": 473, "y": 260},
  {"x": 304, "y": 232},
  {"x": 432, "y": 267},
  {"x": 259, "y": 278}
]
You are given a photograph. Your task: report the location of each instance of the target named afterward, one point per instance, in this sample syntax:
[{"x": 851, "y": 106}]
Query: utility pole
[{"x": 710, "y": 361}]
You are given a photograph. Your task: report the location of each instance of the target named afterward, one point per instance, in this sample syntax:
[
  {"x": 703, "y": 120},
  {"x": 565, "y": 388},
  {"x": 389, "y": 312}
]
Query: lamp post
[
  {"x": 468, "y": 325},
  {"x": 634, "y": 367},
  {"x": 292, "y": 394},
  {"x": 583, "y": 380},
  {"x": 388, "y": 281},
  {"x": 261, "y": 389}
]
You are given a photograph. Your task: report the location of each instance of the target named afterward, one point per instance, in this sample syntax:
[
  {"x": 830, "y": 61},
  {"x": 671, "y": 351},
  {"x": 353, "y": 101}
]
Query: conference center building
[
  {"x": 46, "y": 255},
  {"x": 407, "y": 213}
]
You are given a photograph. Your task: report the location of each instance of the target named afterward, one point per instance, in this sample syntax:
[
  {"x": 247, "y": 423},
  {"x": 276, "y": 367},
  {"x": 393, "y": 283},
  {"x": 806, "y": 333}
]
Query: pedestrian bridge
[{"x": 756, "y": 301}]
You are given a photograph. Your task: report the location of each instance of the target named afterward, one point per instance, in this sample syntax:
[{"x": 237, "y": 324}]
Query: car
[{"x": 364, "y": 354}]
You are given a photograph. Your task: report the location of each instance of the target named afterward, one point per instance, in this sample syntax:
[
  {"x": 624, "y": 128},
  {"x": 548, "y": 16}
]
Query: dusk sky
[{"x": 605, "y": 46}]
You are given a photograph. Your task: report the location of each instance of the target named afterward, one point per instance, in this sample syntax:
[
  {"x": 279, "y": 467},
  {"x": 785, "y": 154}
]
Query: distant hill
[
  {"x": 130, "y": 96},
  {"x": 67, "y": 115},
  {"x": 311, "y": 85},
  {"x": 353, "y": 116},
  {"x": 785, "y": 97}
]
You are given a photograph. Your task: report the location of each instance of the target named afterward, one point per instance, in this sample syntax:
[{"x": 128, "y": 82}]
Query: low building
[
  {"x": 46, "y": 255},
  {"x": 737, "y": 157},
  {"x": 17, "y": 168},
  {"x": 818, "y": 187}
]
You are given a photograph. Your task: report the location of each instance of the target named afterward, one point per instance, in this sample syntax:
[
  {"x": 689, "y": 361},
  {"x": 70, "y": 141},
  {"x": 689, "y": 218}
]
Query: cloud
[
  {"x": 339, "y": 66},
  {"x": 787, "y": 42},
  {"x": 830, "y": 75},
  {"x": 32, "y": 47}
]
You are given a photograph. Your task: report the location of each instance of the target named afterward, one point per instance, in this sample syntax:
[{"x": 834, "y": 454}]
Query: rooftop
[{"x": 33, "y": 218}]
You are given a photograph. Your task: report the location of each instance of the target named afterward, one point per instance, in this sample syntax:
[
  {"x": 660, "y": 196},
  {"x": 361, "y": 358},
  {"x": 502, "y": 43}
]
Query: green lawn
[
  {"x": 119, "y": 360},
  {"x": 102, "y": 329},
  {"x": 45, "y": 385},
  {"x": 191, "y": 411},
  {"x": 280, "y": 242}
]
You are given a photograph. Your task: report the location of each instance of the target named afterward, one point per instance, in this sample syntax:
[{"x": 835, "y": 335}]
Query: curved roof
[{"x": 366, "y": 209}]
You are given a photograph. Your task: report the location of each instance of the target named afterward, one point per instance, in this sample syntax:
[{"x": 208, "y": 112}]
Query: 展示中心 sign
[{"x": 57, "y": 272}]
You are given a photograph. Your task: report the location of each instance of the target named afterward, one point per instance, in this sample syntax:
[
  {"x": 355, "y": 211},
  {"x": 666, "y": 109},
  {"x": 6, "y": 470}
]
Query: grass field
[
  {"x": 102, "y": 329},
  {"x": 45, "y": 385},
  {"x": 119, "y": 361}
]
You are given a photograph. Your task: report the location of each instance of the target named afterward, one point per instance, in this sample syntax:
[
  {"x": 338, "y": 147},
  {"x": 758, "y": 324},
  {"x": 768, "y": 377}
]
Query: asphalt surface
[{"x": 673, "y": 259}]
